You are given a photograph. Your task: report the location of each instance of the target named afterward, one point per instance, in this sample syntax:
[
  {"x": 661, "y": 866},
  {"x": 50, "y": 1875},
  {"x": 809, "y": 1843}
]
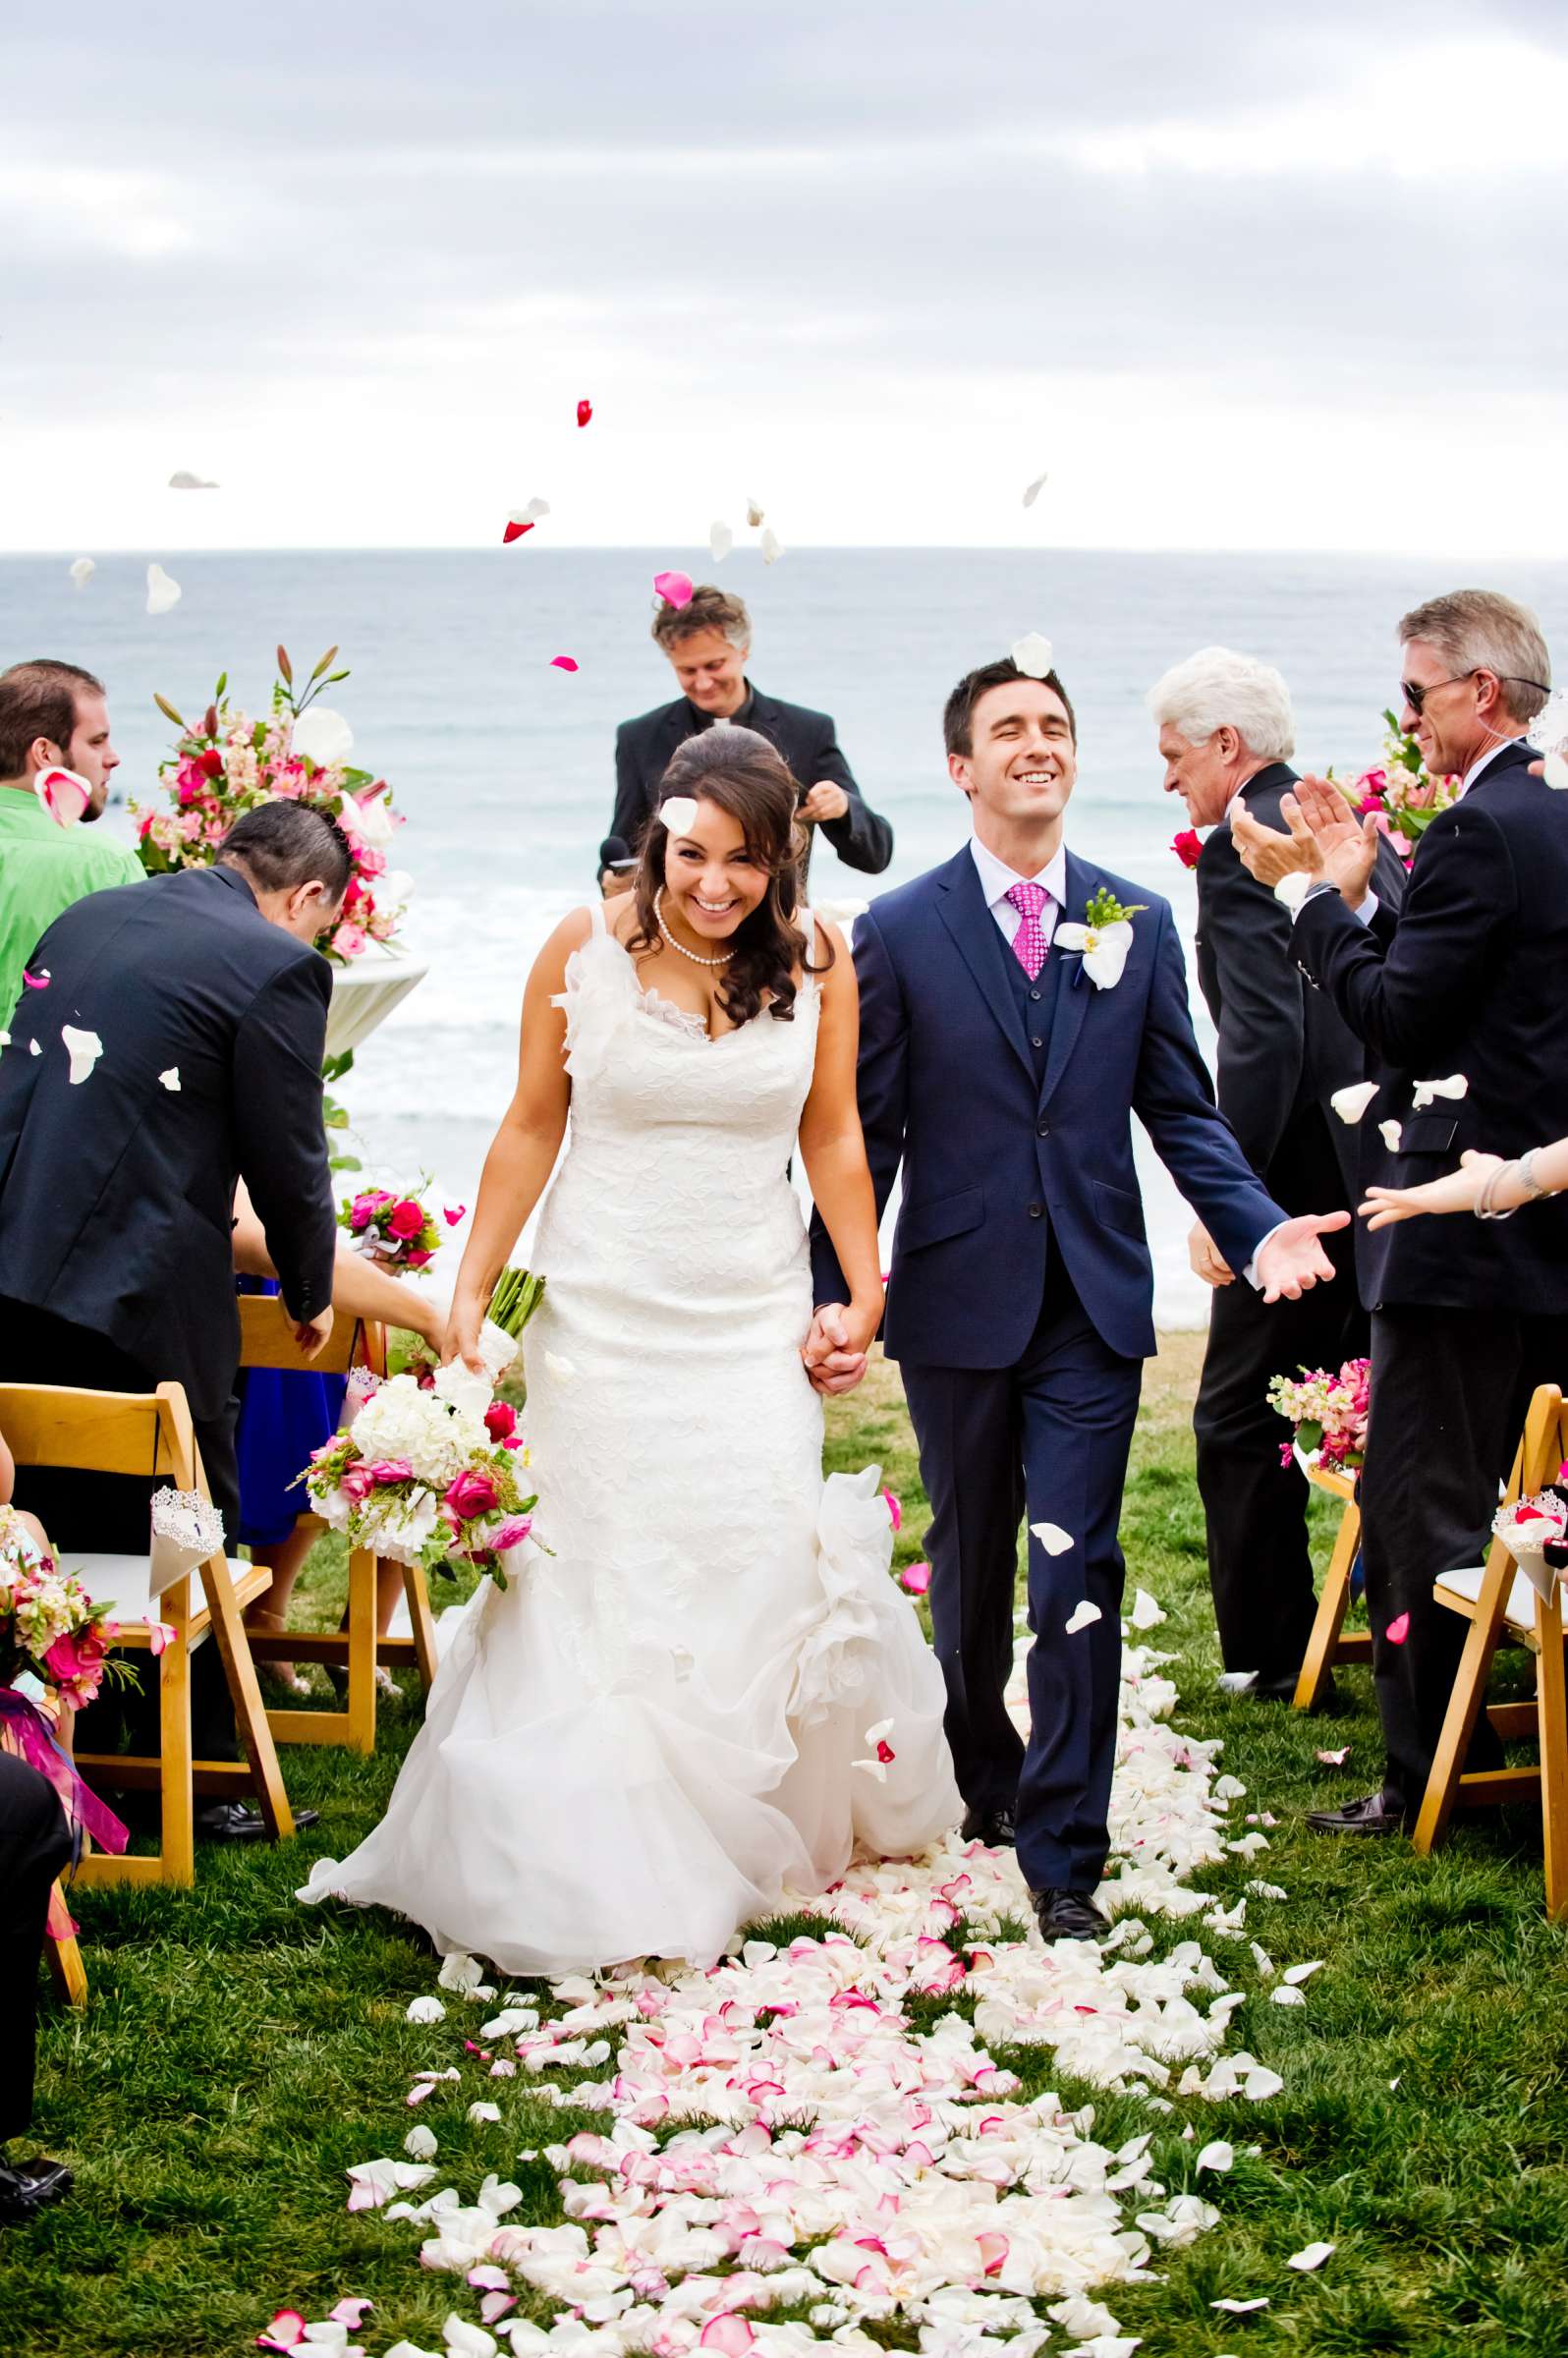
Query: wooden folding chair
[
  {"x": 266, "y": 1340},
  {"x": 1500, "y": 1603},
  {"x": 1328, "y": 1643},
  {"x": 151, "y": 1435}
]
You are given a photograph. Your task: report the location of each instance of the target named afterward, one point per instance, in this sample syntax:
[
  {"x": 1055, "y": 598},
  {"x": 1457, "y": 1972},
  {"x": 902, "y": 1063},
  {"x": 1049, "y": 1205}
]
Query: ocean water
[{"x": 503, "y": 765}]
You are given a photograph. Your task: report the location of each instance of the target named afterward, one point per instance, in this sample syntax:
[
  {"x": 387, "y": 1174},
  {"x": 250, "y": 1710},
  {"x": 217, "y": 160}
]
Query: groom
[{"x": 1000, "y": 1067}]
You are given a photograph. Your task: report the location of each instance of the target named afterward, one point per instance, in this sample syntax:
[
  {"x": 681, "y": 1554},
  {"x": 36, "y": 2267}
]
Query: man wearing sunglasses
[{"x": 1464, "y": 989}]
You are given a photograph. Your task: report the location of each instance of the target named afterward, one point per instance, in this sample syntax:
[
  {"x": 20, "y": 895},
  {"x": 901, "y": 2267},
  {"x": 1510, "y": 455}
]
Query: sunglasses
[{"x": 1416, "y": 695}]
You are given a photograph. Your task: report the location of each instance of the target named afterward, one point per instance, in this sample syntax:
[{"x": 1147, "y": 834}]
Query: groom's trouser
[
  {"x": 1449, "y": 1392},
  {"x": 107, "y": 1513},
  {"x": 1050, "y": 1435}
]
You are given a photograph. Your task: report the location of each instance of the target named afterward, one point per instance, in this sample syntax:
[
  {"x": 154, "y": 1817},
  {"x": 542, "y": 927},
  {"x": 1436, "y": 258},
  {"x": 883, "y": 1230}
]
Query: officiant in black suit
[
  {"x": 708, "y": 643},
  {"x": 1226, "y": 732},
  {"x": 180, "y": 1042},
  {"x": 1464, "y": 985}
]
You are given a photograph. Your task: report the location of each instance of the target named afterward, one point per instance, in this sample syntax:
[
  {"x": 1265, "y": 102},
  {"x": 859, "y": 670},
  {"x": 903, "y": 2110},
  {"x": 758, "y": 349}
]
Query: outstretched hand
[
  {"x": 1293, "y": 1260},
  {"x": 1456, "y": 1191}
]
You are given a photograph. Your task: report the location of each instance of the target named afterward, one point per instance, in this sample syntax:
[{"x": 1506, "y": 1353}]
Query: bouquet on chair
[
  {"x": 428, "y": 1475},
  {"x": 1535, "y": 1532},
  {"x": 1328, "y": 1413},
  {"x": 54, "y": 1640}
]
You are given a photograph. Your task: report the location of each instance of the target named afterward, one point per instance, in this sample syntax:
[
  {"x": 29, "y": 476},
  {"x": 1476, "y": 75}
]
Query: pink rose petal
[
  {"x": 563, "y": 663},
  {"x": 453, "y": 1213},
  {"x": 286, "y": 2332},
  {"x": 584, "y": 411},
  {"x": 730, "y": 2336},
  {"x": 1335, "y": 1759},
  {"x": 917, "y": 1578},
  {"x": 674, "y": 588},
  {"x": 1398, "y": 1631},
  {"x": 351, "y": 2311}
]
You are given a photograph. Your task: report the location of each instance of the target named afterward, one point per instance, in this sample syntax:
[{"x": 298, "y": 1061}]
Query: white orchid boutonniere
[{"x": 1104, "y": 939}]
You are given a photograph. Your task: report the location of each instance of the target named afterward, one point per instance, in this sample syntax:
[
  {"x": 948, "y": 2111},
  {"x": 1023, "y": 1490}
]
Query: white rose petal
[
  {"x": 1293, "y": 887},
  {"x": 1053, "y": 1538},
  {"x": 171, "y": 1080},
  {"x": 84, "y": 568},
  {"x": 84, "y": 1050},
  {"x": 1033, "y": 490},
  {"x": 425, "y": 2010},
  {"x": 1236, "y": 1682},
  {"x": 469, "y": 2341},
  {"x": 1288, "y": 1996},
  {"x": 1351, "y": 1104},
  {"x": 419, "y": 2144},
  {"x": 1260, "y": 2083},
  {"x": 1303, "y": 1973},
  {"x": 1033, "y": 655},
  {"x": 770, "y": 546},
  {"x": 1240, "y": 2308},
  {"x": 562, "y": 1369},
  {"x": 1219, "y": 2156},
  {"x": 1147, "y": 1613},
  {"x": 1391, "y": 1133},
  {"x": 1426, "y": 1091},
  {"x": 1313, "y": 2255},
  {"x": 1083, "y": 1616},
  {"x": 322, "y": 736},
  {"x": 478, "y": 2113},
  {"x": 163, "y": 591},
  {"x": 678, "y": 813},
  {"x": 720, "y": 540},
  {"x": 753, "y": 513}
]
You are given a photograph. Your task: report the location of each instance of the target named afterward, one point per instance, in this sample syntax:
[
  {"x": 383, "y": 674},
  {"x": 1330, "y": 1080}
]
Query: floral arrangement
[
  {"x": 51, "y": 1633},
  {"x": 1397, "y": 790},
  {"x": 1328, "y": 1412},
  {"x": 228, "y": 763},
  {"x": 394, "y": 1229},
  {"x": 1535, "y": 1532},
  {"x": 427, "y": 1474}
]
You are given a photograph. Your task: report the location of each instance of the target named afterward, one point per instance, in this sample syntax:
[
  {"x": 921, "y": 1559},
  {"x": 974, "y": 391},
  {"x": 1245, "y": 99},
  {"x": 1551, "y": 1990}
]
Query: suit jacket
[
  {"x": 1468, "y": 979},
  {"x": 1284, "y": 1049},
  {"x": 643, "y": 748},
  {"x": 117, "y": 1193},
  {"x": 1002, "y": 1164}
]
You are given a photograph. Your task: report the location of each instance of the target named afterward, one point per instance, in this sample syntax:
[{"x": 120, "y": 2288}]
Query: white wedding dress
[{"x": 653, "y": 1735}]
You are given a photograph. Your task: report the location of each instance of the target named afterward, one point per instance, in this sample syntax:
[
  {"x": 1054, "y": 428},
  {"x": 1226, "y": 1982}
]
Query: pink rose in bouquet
[
  {"x": 387, "y": 1469},
  {"x": 74, "y": 1661},
  {"x": 471, "y": 1494},
  {"x": 405, "y": 1219},
  {"x": 500, "y": 1421},
  {"x": 394, "y": 1228}
]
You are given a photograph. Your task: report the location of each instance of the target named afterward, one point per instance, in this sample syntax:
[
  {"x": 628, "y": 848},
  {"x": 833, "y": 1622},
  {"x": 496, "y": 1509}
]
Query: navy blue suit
[{"x": 1020, "y": 1306}]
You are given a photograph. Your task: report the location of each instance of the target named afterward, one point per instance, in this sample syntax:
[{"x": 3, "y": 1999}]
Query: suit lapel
[
  {"x": 981, "y": 945},
  {"x": 1074, "y": 989}
]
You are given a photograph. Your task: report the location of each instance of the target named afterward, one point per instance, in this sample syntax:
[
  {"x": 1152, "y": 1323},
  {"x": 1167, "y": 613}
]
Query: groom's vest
[{"x": 1037, "y": 1003}]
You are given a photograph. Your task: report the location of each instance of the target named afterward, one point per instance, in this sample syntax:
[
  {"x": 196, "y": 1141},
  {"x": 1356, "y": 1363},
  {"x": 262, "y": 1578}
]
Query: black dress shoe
[
  {"x": 1068, "y": 1915},
  {"x": 26, "y": 2187},
  {"x": 237, "y": 1821},
  {"x": 1379, "y": 1813},
  {"x": 996, "y": 1828}
]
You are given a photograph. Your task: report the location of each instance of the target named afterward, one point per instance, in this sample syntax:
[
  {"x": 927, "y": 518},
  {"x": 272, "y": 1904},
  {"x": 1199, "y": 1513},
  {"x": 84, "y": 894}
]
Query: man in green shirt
[{"x": 52, "y": 717}]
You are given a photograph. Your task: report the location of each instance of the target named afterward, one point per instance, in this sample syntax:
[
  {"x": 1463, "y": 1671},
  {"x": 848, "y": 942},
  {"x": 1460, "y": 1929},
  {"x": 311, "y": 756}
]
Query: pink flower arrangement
[
  {"x": 391, "y": 1227},
  {"x": 228, "y": 763},
  {"x": 1328, "y": 1412},
  {"x": 1398, "y": 793}
]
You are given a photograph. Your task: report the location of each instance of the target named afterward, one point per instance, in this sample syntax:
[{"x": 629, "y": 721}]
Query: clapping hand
[
  {"x": 1347, "y": 845},
  {"x": 1293, "y": 1260},
  {"x": 833, "y": 1357},
  {"x": 1268, "y": 854},
  {"x": 1457, "y": 1191}
]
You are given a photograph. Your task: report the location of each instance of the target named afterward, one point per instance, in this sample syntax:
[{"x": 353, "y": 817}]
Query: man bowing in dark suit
[
  {"x": 1462, "y": 988},
  {"x": 1018, "y": 1006},
  {"x": 708, "y": 643},
  {"x": 1225, "y": 735},
  {"x": 178, "y": 1045}
]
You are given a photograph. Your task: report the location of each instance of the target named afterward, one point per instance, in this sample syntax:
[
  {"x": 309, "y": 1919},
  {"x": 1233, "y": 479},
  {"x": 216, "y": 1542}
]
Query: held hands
[
  {"x": 1291, "y": 1260},
  {"x": 461, "y": 1339},
  {"x": 825, "y": 801},
  {"x": 833, "y": 1353},
  {"x": 1458, "y": 1191},
  {"x": 1205, "y": 1260},
  {"x": 312, "y": 1334}
]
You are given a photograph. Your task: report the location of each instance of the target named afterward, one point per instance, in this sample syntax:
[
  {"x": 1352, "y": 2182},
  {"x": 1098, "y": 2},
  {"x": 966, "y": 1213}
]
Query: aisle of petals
[{"x": 804, "y": 2140}]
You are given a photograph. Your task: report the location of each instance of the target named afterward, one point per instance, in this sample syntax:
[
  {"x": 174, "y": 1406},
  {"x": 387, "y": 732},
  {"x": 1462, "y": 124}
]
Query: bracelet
[
  {"x": 1485, "y": 1202},
  {"x": 1526, "y": 1169}
]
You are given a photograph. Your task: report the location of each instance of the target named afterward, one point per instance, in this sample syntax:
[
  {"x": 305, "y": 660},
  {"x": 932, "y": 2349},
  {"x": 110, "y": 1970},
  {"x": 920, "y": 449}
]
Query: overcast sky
[{"x": 1232, "y": 276}]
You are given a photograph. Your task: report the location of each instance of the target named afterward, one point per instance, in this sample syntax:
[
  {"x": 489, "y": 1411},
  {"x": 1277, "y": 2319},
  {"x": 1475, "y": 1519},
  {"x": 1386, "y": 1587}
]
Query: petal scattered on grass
[
  {"x": 1219, "y": 2156},
  {"x": 1351, "y": 1104},
  {"x": 419, "y": 2144},
  {"x": 1303, "y": 1973},
  {"x": 1053, "y": 1538},
  {"x": 84, "y": 1050},
  {"x": 1310, "y": 2256},
  {"x": 425, "y": 2010},
  {"x": 163, "y": 591},
  {"x": 1033, "y": 655},
  {"x": 1083, "y": 1616},
  {"x": 1335, "y": 1759},
  {"x": 284, "y": 2333},
  {"x": 1287, "y": 1995},
  {"x": 1240, "y": 2308},
  {"x": 1147, "y": 1612},
  {"x": 1236, "y": 1682}
]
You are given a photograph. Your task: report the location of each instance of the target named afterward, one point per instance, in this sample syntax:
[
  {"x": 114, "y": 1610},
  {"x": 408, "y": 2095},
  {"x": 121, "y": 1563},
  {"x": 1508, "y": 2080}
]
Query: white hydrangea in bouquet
[
  {"x": 429, "y": 1473},
  {"x": 227, "y": 763}
]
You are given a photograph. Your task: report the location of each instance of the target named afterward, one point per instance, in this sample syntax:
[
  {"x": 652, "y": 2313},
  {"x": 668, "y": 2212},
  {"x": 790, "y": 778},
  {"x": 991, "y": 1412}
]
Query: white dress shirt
[{"x": 997, "y": 880}]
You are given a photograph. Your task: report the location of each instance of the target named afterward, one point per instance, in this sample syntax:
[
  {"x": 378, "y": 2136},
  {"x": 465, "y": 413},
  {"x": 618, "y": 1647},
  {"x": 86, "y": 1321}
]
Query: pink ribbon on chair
[{"x": 27, "y": 1732}]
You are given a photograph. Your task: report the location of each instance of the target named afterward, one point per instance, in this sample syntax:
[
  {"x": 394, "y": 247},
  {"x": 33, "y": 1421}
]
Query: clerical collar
[{"x": 739, "y": 719}]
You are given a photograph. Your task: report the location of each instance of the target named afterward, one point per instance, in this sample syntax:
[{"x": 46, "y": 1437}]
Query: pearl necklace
[{"x": 694, "y": 956}]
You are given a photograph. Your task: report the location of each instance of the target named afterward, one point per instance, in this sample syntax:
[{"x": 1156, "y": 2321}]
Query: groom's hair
[
  {"x": 957, "y": 717},
  {"x": 284, "y": 844}
]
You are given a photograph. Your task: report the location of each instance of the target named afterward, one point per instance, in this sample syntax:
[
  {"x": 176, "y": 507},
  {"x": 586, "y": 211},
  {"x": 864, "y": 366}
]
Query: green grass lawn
[{"x": 240, "y": 2052}]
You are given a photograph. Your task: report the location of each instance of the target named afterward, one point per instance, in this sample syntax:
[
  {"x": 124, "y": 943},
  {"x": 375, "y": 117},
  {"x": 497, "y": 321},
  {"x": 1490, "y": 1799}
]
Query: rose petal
[
  {"x": 730, "y": 2336},
  {"x": 514, "y": 529},
  {"x": 1033, "y": 655},
  {"x": 1083, "y": 1616},
  {"x": 1034, "y": 492},
  {"x": 163, "y": 591},
  {"x": 1311, "y": 2255},
  {"x": 1146, "y": 1612},
  {"x": 1240, "y": 2308},
  {"x": 181, "y": 480},
  {"x": 453, "y": 1213},
  {"x": 1053, "y": 1538},
  {"x": 1335, "y": 1759},
  {"x": 1292, "y": 888},
  {"x": 425, "y": 2010},
  {"x": 753, "y": 513},
  {"x": 1398, "y": 1630},
  {"x": 284, "y": 2333},
  {"x": 1303, "y": 1973},
  {"x": 770, "y": 546},
  {"x": 171, "y": 1080},
  {"x": 678, "y": 813},
  {"x": 917, "y": 1578},
  {"x": 564, "y": 663},
  {"x": 82, "y": 571},
  {"x": 584, "y": 411},
  {"x": 84, "y": 1050},
  {"x": 1425, "y": 1092},
  {"x": 674, "y": 588},
  {"x": 351, "y": 2311},
  {"x": 64, "y": 792},
  {"x": 720, "y": 540},
  {"x": 1391, "y": 1133},
  {"x": 419, "y": 2144},
  {"x": 1351, "y": 1104},
  {"x": 1219, "y": 2156}
]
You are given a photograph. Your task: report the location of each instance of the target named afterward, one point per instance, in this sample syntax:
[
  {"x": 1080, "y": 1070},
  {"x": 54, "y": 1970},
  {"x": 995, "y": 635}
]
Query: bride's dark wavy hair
[{"x": 744, "y": 776}]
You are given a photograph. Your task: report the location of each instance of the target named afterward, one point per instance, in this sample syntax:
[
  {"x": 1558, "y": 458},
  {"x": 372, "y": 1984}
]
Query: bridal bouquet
[
  {"x": 1398, "y": 791},
  {"x": 1328, "y": 1412},
  {"x": 427, "y": 1474},
  {"x": 395, "y": 1229},
  {"x": 227, "y": 763},
  {"x": 52, "y": 1634}
]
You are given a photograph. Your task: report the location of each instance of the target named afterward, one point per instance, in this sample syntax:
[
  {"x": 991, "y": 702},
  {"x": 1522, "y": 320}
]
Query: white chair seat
[
  {"x": 1464, "y": 1588},
  {"x": 124, "y": 1583}
]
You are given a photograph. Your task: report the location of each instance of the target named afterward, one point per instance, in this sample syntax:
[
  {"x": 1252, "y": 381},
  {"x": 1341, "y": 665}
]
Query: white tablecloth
[{"x": 365, "y": 994}]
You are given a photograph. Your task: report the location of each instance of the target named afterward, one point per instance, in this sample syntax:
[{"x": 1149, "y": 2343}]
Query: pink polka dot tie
[{"x": 1029, "y": 942}]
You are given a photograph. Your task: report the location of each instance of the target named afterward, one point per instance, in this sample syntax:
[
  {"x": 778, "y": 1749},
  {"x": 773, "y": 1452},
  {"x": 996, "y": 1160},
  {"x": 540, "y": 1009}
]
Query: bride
[{"x": 658, "y": 1728}]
